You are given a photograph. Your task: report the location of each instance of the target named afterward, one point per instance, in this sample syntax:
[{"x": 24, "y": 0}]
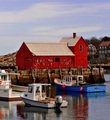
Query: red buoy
[
  {"x": 63, "y": 86},
  {"x": 81, "y": 88},
  {"x": 34, "y": 80}
]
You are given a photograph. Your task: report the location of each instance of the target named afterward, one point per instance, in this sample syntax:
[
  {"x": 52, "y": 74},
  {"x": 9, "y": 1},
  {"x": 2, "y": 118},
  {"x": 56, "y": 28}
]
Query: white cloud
[
  {"x": 49, "y": 10},
  {"x": 62, "y": 32},
  {"x": 42, "y": 28},
  {"x": 34, "y": 13}
]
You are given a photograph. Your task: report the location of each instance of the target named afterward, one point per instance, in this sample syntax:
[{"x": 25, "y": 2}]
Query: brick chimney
[{"x": 74, "y": 35}]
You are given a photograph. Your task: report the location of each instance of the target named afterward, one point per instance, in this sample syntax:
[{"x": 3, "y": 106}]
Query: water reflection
[
  {"x": 78, "y": 104},
  {"x": 78, "y": 94},
  {"x": 33, "y": 113},
  {"x": 8, "y": 110},
  {"x": 17, "y": 111}
]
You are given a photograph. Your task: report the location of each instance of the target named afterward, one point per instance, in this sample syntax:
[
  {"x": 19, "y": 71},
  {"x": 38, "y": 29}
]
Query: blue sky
[{"x": 50, "y": 20}]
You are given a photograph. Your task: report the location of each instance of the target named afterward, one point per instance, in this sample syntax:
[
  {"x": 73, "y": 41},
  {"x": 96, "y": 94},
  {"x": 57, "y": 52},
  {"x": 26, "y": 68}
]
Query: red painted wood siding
[
  {"x": 25, "y": 60},
  {"x": 44, "y": 62},
  {"x": 80, "y": 58}
]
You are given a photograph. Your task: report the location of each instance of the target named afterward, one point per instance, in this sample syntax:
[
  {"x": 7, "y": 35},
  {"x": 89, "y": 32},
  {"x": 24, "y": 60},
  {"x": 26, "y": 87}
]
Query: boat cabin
[
  {"x": 5, "y": 79},
  {"x": 36, "y": 91},
  {"x": 73, "y": 79}
]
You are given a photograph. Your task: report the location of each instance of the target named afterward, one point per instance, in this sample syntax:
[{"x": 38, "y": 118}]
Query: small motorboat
[
  {"x": 36, "y": 97},
  {"x": 5, "y": 81},
  {"x": 6, "y": 92},
  {"x": 76, "y": 83}
]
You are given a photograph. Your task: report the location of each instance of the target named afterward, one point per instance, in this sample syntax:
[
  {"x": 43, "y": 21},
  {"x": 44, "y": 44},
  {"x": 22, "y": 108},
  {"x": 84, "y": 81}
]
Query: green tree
[{"x": 105, "y": 39}]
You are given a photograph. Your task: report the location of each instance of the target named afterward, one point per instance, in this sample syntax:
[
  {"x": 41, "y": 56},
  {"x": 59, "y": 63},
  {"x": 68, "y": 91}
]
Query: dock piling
[{"x": 48, "y": 77}]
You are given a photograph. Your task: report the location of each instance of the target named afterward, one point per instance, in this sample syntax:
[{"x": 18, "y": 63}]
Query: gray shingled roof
[
  {"x": 70, "y": 40},
  {"x": 49, "y": 49}
]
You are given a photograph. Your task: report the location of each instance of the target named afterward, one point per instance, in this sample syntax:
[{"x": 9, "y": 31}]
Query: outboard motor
[{"x": 59, "y": 101}]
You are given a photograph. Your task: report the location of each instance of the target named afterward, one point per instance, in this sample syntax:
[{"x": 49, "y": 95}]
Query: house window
[
  {"x": 102, "y": 51},
  {"x": 24, "y": 50},
  {"x": 102, "y": 47},
  {"x": 99, "y": 51},
  {"x": 105, "y": 51},
  {"x": 89, "y": 47},
  {"x": 100, "y": 56},
  {"x": 103, "y": 56},
  {"x": 80, "y": 47},
  {"x": 57, "y": 59}
]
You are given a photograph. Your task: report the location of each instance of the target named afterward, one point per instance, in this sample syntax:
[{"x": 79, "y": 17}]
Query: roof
[
  {"x": 49, "y": 49},
  {"x": 105, "y": 43},
  {"x": 70, "y": 40},
  {"x": 91, "y": 45}
]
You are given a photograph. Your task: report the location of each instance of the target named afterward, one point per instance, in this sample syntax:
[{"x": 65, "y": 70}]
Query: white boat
[
  {"x": 6, "y": 92},
  {"x": 36, "y": 97},
  {"x": 5, "y": 79}
]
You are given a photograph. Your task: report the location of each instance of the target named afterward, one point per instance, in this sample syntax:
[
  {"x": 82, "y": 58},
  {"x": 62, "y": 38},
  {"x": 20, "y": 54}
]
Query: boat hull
[
  {"x": 88, "y": 88},
  {"x": 10, "y": 99},
  {"x": 9, "y": 95},
  {"x": 80, "y": 94},
  {"x": 40, "y": 104}
]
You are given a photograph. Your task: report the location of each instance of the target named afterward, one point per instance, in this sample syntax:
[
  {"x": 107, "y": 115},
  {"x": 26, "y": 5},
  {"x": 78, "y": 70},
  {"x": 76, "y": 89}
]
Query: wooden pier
[{"x": 94, "y": 75}]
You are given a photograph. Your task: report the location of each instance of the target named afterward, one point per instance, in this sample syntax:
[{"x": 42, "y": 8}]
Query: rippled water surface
[{"x": 87, "y": 106}]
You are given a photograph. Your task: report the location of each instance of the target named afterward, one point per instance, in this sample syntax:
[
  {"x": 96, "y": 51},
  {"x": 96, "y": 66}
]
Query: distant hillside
[{"x": 8, "y": 60}]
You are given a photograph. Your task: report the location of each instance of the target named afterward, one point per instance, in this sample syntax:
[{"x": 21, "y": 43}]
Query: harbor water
[{"x": 81, "y": 106}]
